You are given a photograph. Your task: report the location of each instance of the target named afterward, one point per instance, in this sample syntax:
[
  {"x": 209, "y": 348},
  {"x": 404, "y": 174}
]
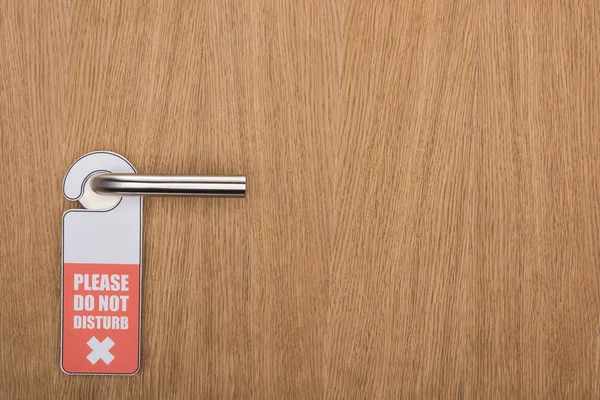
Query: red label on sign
[{"x": 100, "y": 324}]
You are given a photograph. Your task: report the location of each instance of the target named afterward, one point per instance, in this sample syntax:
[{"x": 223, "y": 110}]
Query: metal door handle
[{"x": 169, "y": 185}]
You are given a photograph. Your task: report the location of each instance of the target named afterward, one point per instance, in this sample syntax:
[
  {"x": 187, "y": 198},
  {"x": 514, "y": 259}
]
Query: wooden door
[{"x": 422, "y": 217}]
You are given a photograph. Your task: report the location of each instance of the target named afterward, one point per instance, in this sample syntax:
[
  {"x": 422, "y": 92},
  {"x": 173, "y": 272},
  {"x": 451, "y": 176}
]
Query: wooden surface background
[{"x": 423, "y": 210}]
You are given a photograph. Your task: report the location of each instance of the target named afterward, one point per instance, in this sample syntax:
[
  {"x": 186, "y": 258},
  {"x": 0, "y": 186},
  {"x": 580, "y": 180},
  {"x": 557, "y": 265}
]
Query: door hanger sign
[{"x": 101, "y": 274}]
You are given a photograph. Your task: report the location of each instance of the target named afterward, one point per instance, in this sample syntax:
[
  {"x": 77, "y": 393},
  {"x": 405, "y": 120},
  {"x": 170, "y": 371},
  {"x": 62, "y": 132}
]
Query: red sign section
[{"x": 100, "y": 324}]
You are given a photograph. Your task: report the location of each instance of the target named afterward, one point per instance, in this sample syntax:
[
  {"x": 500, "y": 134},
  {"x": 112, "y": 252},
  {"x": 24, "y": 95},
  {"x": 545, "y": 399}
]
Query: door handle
[
  {"x": 169, "y": 185},
  {"x": 102, "y": 257}
]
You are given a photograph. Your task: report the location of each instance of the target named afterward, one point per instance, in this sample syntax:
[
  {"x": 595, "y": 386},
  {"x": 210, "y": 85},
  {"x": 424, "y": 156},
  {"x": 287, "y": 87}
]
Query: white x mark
[{"x": 100, "y": 350}]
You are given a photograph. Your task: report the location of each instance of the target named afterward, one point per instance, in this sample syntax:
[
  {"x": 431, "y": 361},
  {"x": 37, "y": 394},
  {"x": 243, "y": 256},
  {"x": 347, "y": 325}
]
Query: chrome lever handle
[{"x": 169, "y": 185}]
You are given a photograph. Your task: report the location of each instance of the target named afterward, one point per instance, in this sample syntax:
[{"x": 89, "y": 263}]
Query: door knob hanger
[{"x": 102, "y": 258}]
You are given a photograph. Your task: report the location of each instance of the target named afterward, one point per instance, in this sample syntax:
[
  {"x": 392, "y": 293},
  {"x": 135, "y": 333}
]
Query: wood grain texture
[
  {"x": 402, "y": 219},
  {"x": 32, "y": 120},
  {"x": 534, "y": 286},
  {"x": 422, "y": 216}
]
